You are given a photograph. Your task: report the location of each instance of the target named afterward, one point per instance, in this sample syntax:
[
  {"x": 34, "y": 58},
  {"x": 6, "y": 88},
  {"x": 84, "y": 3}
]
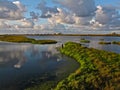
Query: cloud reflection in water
[{"x": 19, "y": 54}]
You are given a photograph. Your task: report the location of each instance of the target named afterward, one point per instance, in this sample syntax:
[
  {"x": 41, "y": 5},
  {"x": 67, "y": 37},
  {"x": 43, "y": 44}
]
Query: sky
[{"x": 59, "y": 15}]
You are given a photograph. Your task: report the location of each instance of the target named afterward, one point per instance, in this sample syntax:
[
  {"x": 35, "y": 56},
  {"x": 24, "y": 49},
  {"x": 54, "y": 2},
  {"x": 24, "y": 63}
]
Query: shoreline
[
  {"x": 112, "y": 34},
  {"x": 24, "y": 39},
  {"x": 98, "y": 69}
]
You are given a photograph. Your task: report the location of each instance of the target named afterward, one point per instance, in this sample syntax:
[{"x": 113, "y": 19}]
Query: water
[
  {"x": 94, "y": 40},
  {"x": 20, "y": 63},
  {"x": 23, "y": 65}
]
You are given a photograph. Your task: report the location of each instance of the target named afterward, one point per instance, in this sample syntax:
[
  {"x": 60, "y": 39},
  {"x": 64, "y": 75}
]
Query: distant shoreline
[
  {"x": 24, "y": 39},
  {"x": 113, "y": 34}
]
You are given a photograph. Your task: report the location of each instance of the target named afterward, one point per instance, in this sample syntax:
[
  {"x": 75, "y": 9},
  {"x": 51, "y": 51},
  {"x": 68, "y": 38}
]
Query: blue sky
[
  {"x": 104, "y": 2},
  {"x": 76, "y": 14},
  {"x": 32, "y": 4}
]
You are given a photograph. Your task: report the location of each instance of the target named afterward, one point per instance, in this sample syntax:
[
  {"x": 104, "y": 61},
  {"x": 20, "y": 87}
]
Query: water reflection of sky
[
  {"x": 23, "y": 61},
  {"x": 20, "y": 62},
  {"x": 93, "y": 41},
  {"x": 21, "y": 53},
  {"x": 18, "y": 54}
]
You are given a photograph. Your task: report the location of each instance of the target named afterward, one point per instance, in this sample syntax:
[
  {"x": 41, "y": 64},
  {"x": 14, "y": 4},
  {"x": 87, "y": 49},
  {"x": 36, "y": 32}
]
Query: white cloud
[
  {"x": 26, "y": 23},
  {"x": 53, "y": 27},
  {"x": 106, "y": 16},
  {"x": 72, "y": 12},
  {"x": 3, "y": 24},
  {"x": 35, "y": 16},
  {"x": 46, "y": 10},
  {"x": 81, "y": 8},
  {"x": 78, "y": 12},
  {"x": 11, "y": 10},
  {"x": 81, "y": 13},
  {"x": 65, "y": 17}
]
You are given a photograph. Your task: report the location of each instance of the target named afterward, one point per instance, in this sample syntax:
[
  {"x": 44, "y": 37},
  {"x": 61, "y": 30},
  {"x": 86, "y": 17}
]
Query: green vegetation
[
  {"x": 116, "y": 42},
  {"x": 24, "y": 39},
  {"x": 84, "y": 41},
  {"x": 113, "y": 42},
  {"x": 99, "y": 69},
  {"x": 104, "y": 42}
]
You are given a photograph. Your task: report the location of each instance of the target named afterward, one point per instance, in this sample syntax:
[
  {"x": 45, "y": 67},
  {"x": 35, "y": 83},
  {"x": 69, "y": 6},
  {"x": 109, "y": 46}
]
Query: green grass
[
  {"x": 99, "y": 69},
  {"x": 84, "y": 41},
  {"x": 116, "y": 42},
  {"x": 104, "y": 42},
  {"x": 113, "y": 42},
  {"x": 24, "y": 39}
]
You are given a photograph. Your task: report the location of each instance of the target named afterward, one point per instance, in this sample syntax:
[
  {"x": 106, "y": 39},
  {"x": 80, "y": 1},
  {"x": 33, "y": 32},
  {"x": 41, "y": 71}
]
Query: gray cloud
[
  {"x": 3, "y": 24},
  {"x": 34, "y": 15},
  {"x": 106, "y": 16},
  {"x": 11, "y": 10},
  {"x": 69, "y": 18},
  {"x": 26, "y": 23},
  {"x": 74, "y": 12},
  {"x": 45, "y": 10},
  {"x": 81, "y": 8}
]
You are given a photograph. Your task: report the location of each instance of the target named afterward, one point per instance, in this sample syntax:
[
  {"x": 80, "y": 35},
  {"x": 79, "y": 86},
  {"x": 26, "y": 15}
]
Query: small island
[
  {"x": 112, "y": 42},
  {"x": 116, "y": 42},
  {"x": 24, "y": 39},
  {"x": 84, "y": 41},
  {"x": 105, "y": 42},
  {"x": 99, "y": 69}
]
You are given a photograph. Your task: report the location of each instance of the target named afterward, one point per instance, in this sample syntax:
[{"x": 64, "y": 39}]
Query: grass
[
  {"x": 84, "y": 41},
  {"x": 113, "y": 42},
  {"x": 24, "y": 39},
  {"x": 99, "y": 69},
  {"x": 104, "y": 42},
  {"x": 116, "y": 42}
]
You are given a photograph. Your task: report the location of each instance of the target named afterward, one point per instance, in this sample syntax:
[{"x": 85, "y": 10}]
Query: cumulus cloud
[
  {"x": 20, "y": 6},
  {"x": 74, "y": 12},
  {"x": 46, "y": 10},
  {"x": 53, "y": 27},
  {"x": 26, "y": 23},
  {"x": 43, "y": 27},
  {"x": 106, "y": 16},
  {"x": 82, "y": 13},
  {"x": 3, "y": 24},
  {"x": 35, "y": 16},
  {"x": 61, "y": 17},
  {"x": 81, "y": 8},
  {"x": 69, "y": 18},
  {"x": 11, "y": 10}
]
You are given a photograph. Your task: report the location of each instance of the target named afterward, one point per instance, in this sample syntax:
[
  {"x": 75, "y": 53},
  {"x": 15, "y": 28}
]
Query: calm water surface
[
  {"x": 94, "y": 40},
  {"x": 22, "y": 65}
]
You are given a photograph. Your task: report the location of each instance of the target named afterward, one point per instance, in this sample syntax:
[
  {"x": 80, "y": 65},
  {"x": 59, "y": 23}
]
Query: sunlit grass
[
  {"x": 99, "y": 69},
  {"x": 116, "y": 42},
  {"x": 104, "y": 42},
  {"x": 84, "y": 41},
  {"x": 24, "y": 39}
]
